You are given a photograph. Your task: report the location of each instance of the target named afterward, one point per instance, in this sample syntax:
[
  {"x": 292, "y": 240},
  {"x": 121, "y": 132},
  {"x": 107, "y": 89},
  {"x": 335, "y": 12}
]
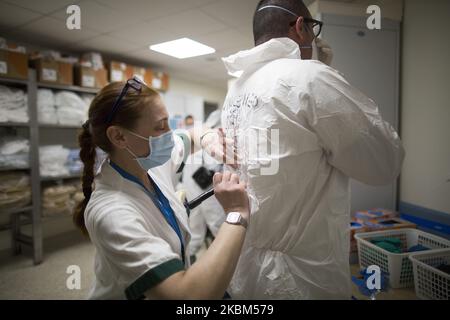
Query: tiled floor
[{"x": 20, "y": 279}]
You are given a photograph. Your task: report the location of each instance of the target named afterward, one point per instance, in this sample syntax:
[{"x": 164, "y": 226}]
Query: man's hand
[
  {"x": 219, "y": 147},
  {"x": 324, "y": 51}
]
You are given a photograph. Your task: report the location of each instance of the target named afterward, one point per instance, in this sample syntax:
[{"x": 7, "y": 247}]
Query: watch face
[{"x": 233, "y": 217}]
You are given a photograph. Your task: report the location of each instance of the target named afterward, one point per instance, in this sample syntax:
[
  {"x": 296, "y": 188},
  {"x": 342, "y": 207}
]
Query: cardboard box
[
  {"x": 47, "y": 70},
  {"x": 119, "y": 71},
  {"x": 373, "y": 214},
  {"x": 144, "y": 74},
  {"x": 90, "y": 78},
  {"x": 159, "y": 81},
  {"x": 13, "y": 64},
  {"x": 84, "y": 76},
  {"x": 355, "y": 227},
  {"x": 101, "y": 78},
  {"x": 65, "y": 74},
  {"x": 139, "y": 72},
  {"x": 52, "y": 71}
]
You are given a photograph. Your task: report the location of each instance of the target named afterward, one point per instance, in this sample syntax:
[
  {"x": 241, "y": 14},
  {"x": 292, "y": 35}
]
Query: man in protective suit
[{"x": 301, "y": 131}]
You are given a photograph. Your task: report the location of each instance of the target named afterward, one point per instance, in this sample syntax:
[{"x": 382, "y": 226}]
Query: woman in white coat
[{"x": 131, "y": 212}]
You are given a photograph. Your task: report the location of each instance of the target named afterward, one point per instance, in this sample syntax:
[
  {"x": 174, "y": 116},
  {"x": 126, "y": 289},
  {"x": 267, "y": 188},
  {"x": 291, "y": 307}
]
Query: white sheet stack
[
  {"x": 64, "y": 107},
  {"x": 70, "y": 108},
  {"x": 46, "y": 107},
  {"x": 14, "y": 152},
  {"x": 13, "y": 105},
  {"x": 87, "y": 98},
  {"x": 53, "y": 160}
]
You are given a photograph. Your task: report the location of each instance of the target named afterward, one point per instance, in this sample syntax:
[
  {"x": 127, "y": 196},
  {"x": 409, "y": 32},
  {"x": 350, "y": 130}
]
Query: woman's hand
[
  {"x": 231, "y": 193},
  {"x": 209, "y": 277}
]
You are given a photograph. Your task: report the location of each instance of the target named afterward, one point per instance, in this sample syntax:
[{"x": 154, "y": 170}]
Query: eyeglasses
[
  {"x": 316, "y": 24},
  {"x": 134, "y": 83}
]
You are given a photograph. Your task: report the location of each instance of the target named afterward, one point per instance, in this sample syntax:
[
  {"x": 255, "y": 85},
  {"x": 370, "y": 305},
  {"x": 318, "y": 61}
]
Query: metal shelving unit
[
  {"x": 9, "y": 81},
  {"x": 57, "y": 126},
  {"x": 69, "y": 88},
  {"x": 11, "y": 212},
  {"x": 32, "y": 213},
  {"x": 14, "y": 124},
  {"x": 17, "y": 210},
  {"x": 68, "y": 177},
  {"x": 13, "y": 168},
  {"x": 26, "y": 221}
]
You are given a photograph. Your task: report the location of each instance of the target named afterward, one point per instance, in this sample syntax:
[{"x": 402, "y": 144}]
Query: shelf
[
  {"x": 52, "y": 217},
  {"x": 70, "y": 176},
  {"x": 24, "y": 222},
  {"x": 55, "y": 217},
  {"x": 3, "y": 169},
  {"x": 58, "y": 126},
  {"x": 69, "y": 88},
  {"x": 32, "y": 214},
  {"x": 16, "y": 210},
  {"x": 13, "y": 81},
  {"x": 14, "y": 124}
]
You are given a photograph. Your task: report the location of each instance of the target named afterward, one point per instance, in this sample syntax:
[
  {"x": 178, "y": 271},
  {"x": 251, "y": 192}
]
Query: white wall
[
  {"x": 209, "y": 94},
  {"x": 425, "y": 120},
  {"x": 390, "y": 9}
]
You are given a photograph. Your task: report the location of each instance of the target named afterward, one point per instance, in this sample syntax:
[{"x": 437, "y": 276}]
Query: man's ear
[
  {"x": 300, "y": 28},
  {"x": 116, "y": 137}
]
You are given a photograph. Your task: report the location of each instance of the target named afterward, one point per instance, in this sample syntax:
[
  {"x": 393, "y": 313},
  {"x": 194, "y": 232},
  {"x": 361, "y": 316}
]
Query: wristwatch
[{"x": 237, "y": 219}]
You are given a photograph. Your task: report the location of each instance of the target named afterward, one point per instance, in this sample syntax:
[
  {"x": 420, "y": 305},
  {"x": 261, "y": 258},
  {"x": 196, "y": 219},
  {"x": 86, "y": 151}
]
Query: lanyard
[{"x": 160, "y": 201}]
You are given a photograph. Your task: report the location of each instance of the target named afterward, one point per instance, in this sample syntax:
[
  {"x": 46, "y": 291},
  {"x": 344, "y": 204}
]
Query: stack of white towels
[
  {"x": 46, "y": 107},
  {"x": 13, "y": 105},
  {"x": 64, "y": 107},
  {"x": 53, "y": 160},
  {"x": 70, "y": 108},
  {"x": 14, "y": 152}
]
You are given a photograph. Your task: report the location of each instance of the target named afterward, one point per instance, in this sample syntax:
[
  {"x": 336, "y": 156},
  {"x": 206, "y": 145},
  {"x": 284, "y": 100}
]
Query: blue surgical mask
[{"x": 160, "y": 150}]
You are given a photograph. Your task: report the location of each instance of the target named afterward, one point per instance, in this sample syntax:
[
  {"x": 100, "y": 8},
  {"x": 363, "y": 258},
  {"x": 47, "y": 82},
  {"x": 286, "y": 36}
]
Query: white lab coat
[
  {"x": 135, "y": 247},
  {"x": 297, "y": 245},
  {"x": 210, "y": 213}
]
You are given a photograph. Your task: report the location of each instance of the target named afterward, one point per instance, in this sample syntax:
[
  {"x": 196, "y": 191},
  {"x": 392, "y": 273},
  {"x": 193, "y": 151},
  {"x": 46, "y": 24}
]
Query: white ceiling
[{"x": 125, "y": 29}]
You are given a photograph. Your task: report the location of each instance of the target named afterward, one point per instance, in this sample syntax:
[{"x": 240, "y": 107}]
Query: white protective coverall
[
  {"x": 320, "y": 131},
  {"x": 210, "y": 213}
]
